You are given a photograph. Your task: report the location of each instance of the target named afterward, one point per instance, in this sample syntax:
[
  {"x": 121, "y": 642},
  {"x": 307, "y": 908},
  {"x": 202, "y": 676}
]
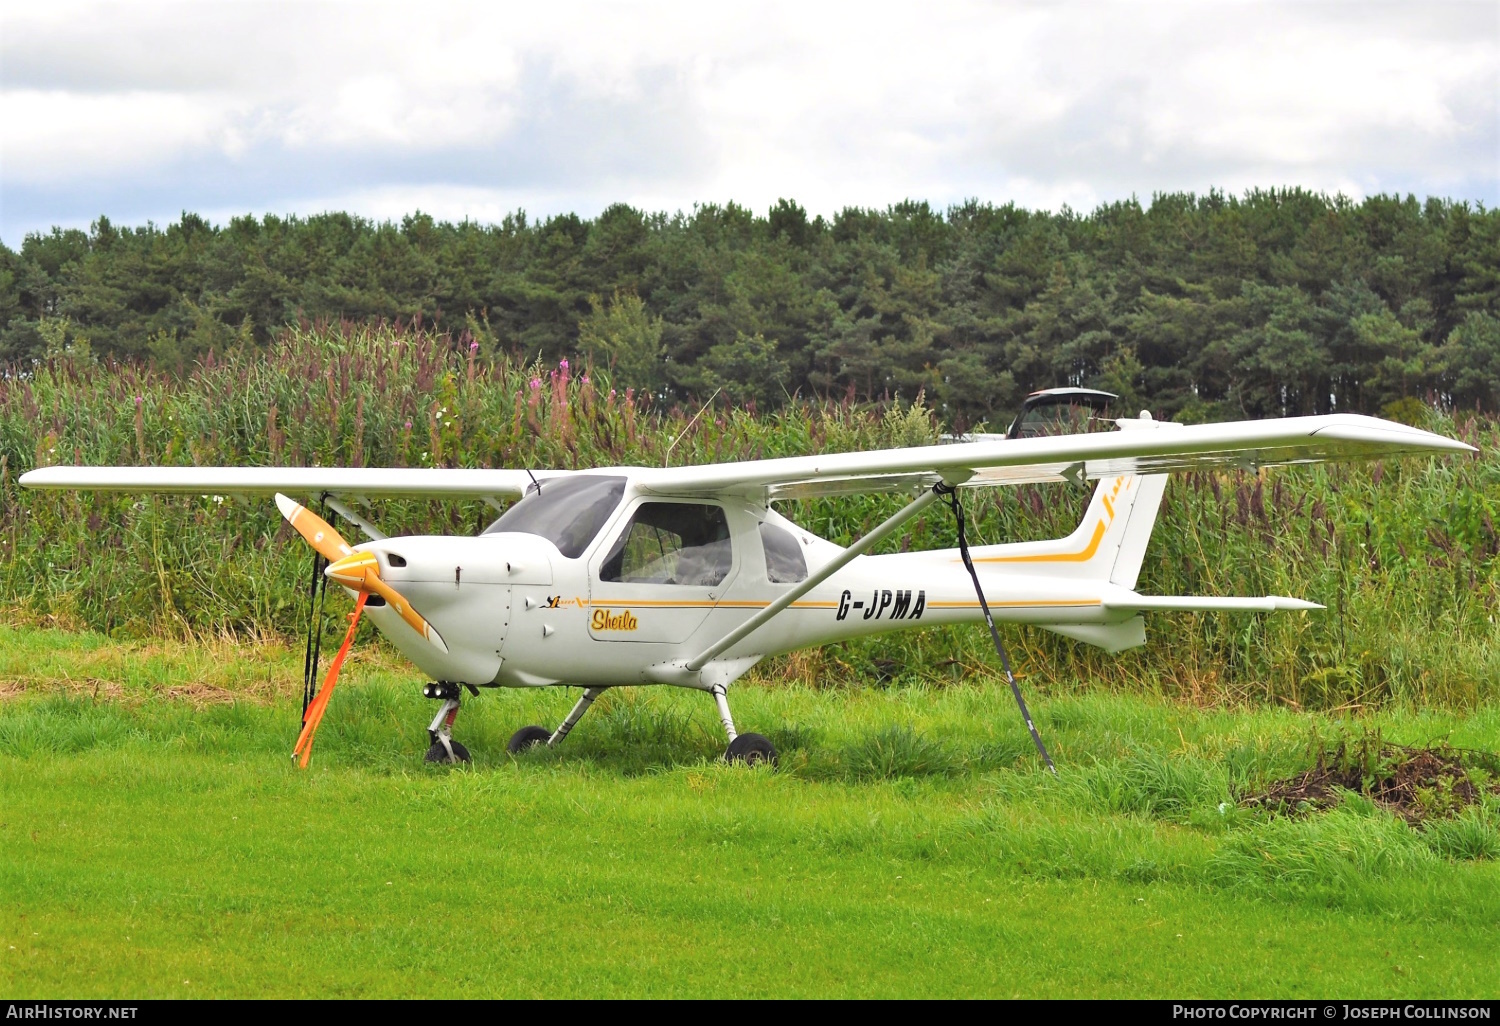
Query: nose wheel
[{"x": 444, "y": 749}]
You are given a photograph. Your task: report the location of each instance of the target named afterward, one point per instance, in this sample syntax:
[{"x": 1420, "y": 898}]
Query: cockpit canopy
[
  {"x": 569, "y": 512},
  {"x": 1063, "y": 411}
]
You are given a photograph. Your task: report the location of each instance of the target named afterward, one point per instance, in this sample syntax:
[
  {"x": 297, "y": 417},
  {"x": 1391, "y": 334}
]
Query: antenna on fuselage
[
  {"x": 665, "y": 460},
  {"x": 537, "y": 484}
]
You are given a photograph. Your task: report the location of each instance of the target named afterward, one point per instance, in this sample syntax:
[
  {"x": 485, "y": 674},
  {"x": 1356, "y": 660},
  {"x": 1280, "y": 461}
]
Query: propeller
[
  {"x": 359, "y": 571},
  {"x": 316, "y": 531}
]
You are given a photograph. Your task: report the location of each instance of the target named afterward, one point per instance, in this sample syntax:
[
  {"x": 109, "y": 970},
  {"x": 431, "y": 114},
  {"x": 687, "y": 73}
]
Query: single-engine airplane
[{"x": 687, "y": 576}]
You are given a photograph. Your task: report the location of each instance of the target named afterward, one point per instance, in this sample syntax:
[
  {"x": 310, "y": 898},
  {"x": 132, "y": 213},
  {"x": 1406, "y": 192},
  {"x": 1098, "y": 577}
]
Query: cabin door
[{"x": 663, "y": 573}]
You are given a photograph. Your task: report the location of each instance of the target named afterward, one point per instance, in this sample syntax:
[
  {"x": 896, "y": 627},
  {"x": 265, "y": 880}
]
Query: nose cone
[{"x": 353, "y": 569}]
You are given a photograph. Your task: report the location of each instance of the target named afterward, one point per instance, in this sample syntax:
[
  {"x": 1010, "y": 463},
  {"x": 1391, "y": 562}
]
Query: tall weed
[{"x": 1402, "y": 553}]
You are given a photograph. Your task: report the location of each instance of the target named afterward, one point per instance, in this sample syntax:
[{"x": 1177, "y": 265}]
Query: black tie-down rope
[
  {"x": 317, "y": 595},
  {"x": 951, "y": 493}
]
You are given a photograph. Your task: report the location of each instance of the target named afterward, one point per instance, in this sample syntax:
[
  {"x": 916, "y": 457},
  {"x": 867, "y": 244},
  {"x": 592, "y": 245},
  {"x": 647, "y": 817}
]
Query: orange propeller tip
[{"x": 316, "y": 531}]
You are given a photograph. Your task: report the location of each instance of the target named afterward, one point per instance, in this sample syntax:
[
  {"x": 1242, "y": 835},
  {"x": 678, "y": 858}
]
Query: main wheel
[
  {"x": 437, "y": 753},
  {"x": 751, "y": 749},
  {"x": 527, "y": 737}
]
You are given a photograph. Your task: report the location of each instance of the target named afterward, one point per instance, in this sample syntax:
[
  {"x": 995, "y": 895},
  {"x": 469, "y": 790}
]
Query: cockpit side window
[
  {"x": 671, "y": 543},
  {"x": 784, "y": 560},
  {"x": 569, "y": 511}
]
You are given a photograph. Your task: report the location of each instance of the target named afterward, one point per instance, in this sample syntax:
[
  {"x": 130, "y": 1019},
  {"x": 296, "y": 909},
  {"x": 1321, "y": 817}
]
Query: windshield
[{"x": 567, "y": 511}]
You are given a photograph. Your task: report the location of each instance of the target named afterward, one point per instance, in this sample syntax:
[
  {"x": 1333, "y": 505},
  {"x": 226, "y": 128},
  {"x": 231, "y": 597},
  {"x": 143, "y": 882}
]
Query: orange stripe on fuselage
[
  {"x": 936, "y": 604},
  {"x": 696, "y": 604},
  {"x": 1070, "y": 557},
  {"x": 1017, "y": 604},
  {"x": 1054, "y": 557}
]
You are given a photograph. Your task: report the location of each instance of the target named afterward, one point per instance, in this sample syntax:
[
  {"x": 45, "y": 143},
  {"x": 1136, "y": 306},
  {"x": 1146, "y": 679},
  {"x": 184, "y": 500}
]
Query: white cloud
[
  {"x": 142, "y": 109},
  {"x": 50, "y": 135}
]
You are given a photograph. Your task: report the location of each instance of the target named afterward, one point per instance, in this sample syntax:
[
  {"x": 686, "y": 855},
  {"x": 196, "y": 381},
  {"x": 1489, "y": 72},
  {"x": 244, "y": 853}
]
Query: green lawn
[{"x": 156, "y": 841}]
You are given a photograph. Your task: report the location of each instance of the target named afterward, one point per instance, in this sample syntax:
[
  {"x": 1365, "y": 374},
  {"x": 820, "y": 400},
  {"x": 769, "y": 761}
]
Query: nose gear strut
[{"x": 444, "y": 749}]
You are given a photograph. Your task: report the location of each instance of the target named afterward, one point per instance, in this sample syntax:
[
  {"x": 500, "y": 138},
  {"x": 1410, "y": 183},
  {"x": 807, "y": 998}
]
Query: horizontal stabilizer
[{"x": 1204, "y": 603}]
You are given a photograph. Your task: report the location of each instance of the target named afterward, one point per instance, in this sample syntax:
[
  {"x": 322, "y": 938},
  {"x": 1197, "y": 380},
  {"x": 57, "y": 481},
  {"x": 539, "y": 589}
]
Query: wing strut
[
  {"x": 745, "y": 629},
  {"x": 374, "y": 533},
  {"x": 1015, "y": 689}
]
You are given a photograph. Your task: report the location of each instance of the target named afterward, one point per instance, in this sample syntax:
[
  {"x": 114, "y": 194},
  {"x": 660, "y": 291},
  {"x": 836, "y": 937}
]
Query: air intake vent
[{"x": 395, "y": 560}]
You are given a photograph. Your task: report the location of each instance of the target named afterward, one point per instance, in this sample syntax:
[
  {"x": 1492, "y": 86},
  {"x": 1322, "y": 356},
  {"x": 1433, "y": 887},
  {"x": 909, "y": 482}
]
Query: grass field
[{"x": 158, "y": 842}]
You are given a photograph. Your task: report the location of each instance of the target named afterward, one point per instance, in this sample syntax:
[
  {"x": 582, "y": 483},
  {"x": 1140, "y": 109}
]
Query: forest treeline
[{"x": 1275, "y": 303}]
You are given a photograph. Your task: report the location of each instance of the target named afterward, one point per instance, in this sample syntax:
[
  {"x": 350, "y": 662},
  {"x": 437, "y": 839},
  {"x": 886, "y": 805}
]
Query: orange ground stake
[{"x": 320, "y": 703}]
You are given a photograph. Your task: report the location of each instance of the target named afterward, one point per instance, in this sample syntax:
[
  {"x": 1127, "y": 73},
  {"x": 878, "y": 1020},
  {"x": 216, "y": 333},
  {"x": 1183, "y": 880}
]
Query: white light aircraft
[{"x": 687, "y": 576}]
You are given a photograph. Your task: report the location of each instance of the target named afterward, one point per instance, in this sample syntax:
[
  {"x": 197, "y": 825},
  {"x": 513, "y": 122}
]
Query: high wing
[
  {"x": 1174, "y": 447},
  {"x": 367, "y": 482}
]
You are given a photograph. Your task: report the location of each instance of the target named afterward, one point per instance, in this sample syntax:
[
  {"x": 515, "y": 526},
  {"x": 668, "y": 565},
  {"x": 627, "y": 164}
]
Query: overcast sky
[{"x": 142, "y": 110}]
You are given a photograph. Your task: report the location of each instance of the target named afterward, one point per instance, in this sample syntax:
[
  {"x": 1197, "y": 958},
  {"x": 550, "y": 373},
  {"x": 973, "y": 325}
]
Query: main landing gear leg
[
  {"x": 444, "y": 749},
  {"x": 721, "y": 699},
  {"x": 581, "y": 707},
  {"x": 530, "y": 737},
  {"x": 751, "y": 749}
]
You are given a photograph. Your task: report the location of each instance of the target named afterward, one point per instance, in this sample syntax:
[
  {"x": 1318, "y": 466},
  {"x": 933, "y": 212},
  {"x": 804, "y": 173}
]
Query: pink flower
[
  {"x": 564, "y": 364},
  {"x": 408, "y": 425},
  {"x": 473, "y": 345},
  {"x": 536, "y": 383},
  {"x": 139, "y": 400},
  {"x": 584, "y": 380}
]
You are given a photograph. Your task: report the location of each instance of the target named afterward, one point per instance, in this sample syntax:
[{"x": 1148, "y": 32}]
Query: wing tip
[
  {"x": 1373, "y": 429},
  {"x": 39, "y": 477}
]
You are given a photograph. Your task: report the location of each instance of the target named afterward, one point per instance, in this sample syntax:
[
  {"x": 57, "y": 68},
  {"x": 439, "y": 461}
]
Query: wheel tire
[
  {"x": 527, "y": 738},
  {"x": 437, "y": 753},
  {"x": 752, "y": 750}
]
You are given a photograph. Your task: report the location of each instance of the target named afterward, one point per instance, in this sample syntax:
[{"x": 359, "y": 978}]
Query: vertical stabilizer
[{"x": 1110, "y": 542}]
